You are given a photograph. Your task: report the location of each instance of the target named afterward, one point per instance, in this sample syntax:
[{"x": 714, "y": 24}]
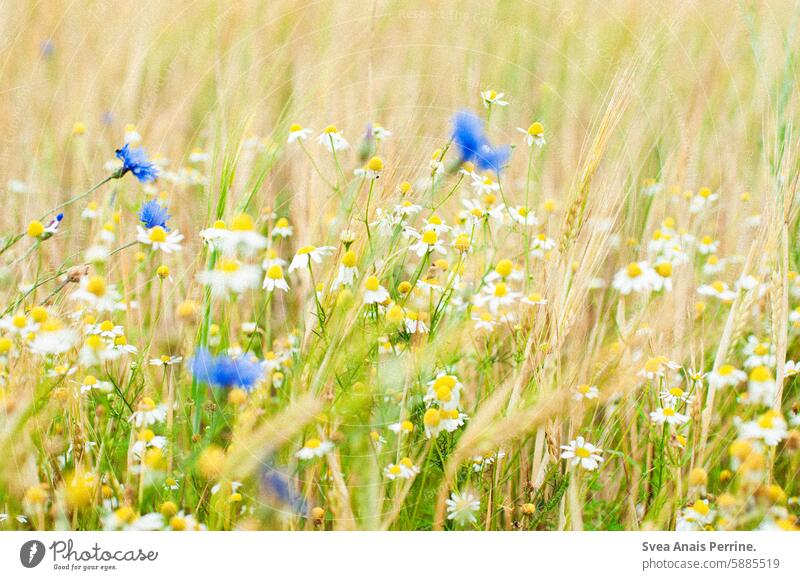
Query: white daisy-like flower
[
  {"x": 90, "y": 212},
  {"x": 495, "y": 296},
  {"x": 534, "y": 134},
  {"x": 282, "y": 228},
  {"x": 586, "y": 391},
  {"x": 770, "y": 427},
  {"x": 704, "y": 198},
  {"x": 53, "y": 338},
  {"x": 761, "y": 387},
  {"x": 483, "y": 321},
  {"x": 427, "y": 242},
  {"x": 636, "y": 277},
  {"x": 758, "y": 353},
  {"x": 492, "y": 97},
  {"x": 402, "y": 427},
  {"x": 695, "y": 517},
  {"x": 148, "y": 413},
  {"x": 126, "y": 519},
  {"x": 581, "y": 452},
  {"x": 243, "y": 237},
  {"x": 198, "y": 156},
  {"x": 541, "y": 245},
  {"x": 230, "y": 275},
  {"x": 374, "y": 293},
  {"x": 146, "y": 439},
  {"x": 534, "y": 299},
  {"x": 674, "y": 396},
  {"x": 405, "y": 469},
  {"x": 274, "y": 279},
  {"x": 308, "y": 254},
  {"x": 726, "y": 376},
  {"x": 415, "y": 322},
  {"x": 314, "y": 448},
  {"x": 166, "y": 360},
  {"x": 707, "y": 245},
  {"x": 717, "y": 289},
  {"x": 668, "y": 415},
  {"x": 332, "y": 139},
  {"x": 298, "y": 133},
  {"x": 462, "y": 507},
  {"x": 96, "y": 294},
  {"x": 523, "y": 215}
]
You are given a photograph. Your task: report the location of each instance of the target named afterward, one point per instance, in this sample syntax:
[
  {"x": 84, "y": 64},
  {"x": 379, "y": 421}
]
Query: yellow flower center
[
  {"x": 432, "y": 417},
  {"x": 504, "y": 267},
  {"x": 243, "y": 222},
  {"x": 375, "y": 164},
  {"x": 500, "y": 290},
  {"x": 726, "y": 370},
  {"x": 429, "y": 237},
  {"x": 372, "y": 284},
  {"x": 313, "y": 443},
  {"x": 664, "y": 269},
  {"x": 96, "y": 285},
  {"x": 760, "y": 375},
  {"x": 582, "y": 452},
  {"x": 349, "y": 259},
  {"x": 228, "y": 265},
  {"x": 669, "y": 411},
  {"x": 274, "y": 272},
  {"x": 157, "y": 235},
  {"x": 634, "y": 271},
  {"x": 676, "y": 392},
  {"x": 536, "y": 129},
  {"x": 295, "y": 128}
]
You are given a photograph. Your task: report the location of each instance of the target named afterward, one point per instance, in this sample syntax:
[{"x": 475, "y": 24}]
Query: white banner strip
[{"x": 401, "y": 555}]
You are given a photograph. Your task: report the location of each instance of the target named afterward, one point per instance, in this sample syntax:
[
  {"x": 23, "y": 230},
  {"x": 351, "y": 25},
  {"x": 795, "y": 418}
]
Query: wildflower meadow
[{"x": 399, "y": 266}]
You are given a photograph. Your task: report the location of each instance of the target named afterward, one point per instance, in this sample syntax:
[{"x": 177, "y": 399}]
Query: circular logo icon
[{"x": 31, "y": 553}]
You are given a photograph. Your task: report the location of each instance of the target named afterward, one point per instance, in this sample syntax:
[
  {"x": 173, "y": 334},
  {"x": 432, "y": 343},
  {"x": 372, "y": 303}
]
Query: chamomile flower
[
  {"x": 770, "y": 428},
  {"x": 230, "y": 276},
  {"x": 540, "y": 245},
  {"x": 669, "y": 415},
  {"x": 314, "y": 447},
  {"x": 298, "y": 133},
  {"x": 581, "y": 452},
  {"x": 53, "y": 338},
  {"x": 758, "y": 353},
  {"x": 534, "y": 134},
  {"x": 492, "y": 97},
  {"x": 585, "y": 391},
  {"x": 415, "y": 322},
  {"x": 308, "y": 254},
  {"x": 95, "y": 293},
  {"x": 146, "y": 439},
  {"x": 761, "y": 387},
  {"x": 274, "y": 279},
  {"x": 90, "y": 383},
  {"x": 534, "y": 299},
  {"x": 695, "y": 517},
  {"x": 707, "y": 245},
  {"x": 148, "y": 413},
  {"x": 427, "y": 242},
  {"x": 717, "y": 289},
  {"x": 126, "y": 519},
  {"x": 662, "y": 276},
  {"x": 483, "y": 320},
  {"x": 523, "y": 215},
  {"x": 402, "y": 427},
  {"x": 726, "y": 376},
  {"x": 462, "y": 507},
  {"x": 674, "y": 396},
  {"x": 374, "y": 293},
  {"x": 242, "y": 236},
  {"x": 496, "y": 296},
  {"x": 159, "y": 239},
  {"x": 332, "y": 139},
  {"x": 636, "y": 277},
  {"x": 405, "y": 469},
  {"x": 166, "y": 360},
  {"x": 704, "y": 198},
  {"x": 348, "y": 272},
  {"x": 282, "y": 228}
]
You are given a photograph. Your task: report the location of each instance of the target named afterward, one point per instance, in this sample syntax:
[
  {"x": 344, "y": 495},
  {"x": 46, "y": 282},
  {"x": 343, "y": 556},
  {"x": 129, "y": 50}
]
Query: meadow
[{"x": 390, "y": 265}]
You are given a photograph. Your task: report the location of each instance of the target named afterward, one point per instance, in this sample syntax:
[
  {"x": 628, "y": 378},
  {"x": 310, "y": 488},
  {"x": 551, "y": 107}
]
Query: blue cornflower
[
  {"x": 473, "y": 145},
  {"x": 153, "y": 214},
  {"x": 135, "y": 160},
  {"x": 493, "y": 157},
  {"x": 468, "y": 135},
  {"x": 224, "y": 371}
]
